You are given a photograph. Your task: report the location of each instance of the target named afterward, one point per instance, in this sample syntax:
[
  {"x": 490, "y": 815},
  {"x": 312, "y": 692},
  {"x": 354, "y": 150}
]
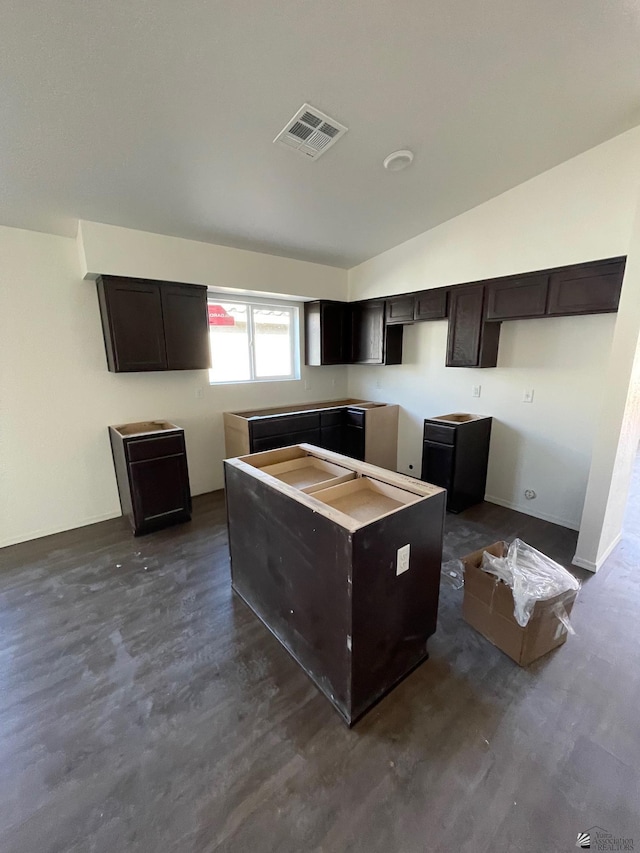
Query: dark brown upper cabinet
[
  {"x": 150, "y": 325},
  {"x": 517, "y": 298},
  {"x": 327, "y": 333},
  {"x": 471, "y": 341},
  {"x": 431, "y": 304},
  {"x": 400, "y": 309},
  {"x": 586, "y": 288},
  {"x": 372, "y": 341}
]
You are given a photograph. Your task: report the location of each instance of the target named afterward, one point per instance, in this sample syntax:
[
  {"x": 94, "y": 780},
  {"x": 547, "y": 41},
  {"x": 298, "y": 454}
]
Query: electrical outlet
[
  {"x": 402, "y": 563},
  {"x": 475, "y": 390},
  {"x": 378, "y": 383},
  {"x": 527, "y": 397},
  {"x": 199, "y": 393},
  {"x": 307, "y": 385}
]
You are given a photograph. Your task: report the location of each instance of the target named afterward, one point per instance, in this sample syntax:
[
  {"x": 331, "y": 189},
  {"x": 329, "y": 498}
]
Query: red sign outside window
[{"x": 219, "y": 317}]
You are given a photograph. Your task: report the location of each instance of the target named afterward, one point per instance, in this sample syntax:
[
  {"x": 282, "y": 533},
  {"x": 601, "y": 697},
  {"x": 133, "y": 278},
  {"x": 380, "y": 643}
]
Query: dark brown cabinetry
[
  {"x": 400, "y": 309},
  {"x": 431, "y": 304},
  {"x": 340, "y": 430},
  {"x": 455, "y": 455},
  {"x": 517, "y": 298},
  {"x": 151, "y": 470},
  {"x": 586, "y": 288},
  {"x": 186, "y": 326},
  {"x": 350, "y": 333},
  {"x": 321, "y": 569},
  {"x": 471, "y": 342},
  {"x": 370, "y": 331},
  {"x": 150, "y": 325},
  {"x": 327, "y": 333},
  {"x": 411, "y": 307},
  {"x": 372, "y": 340}
]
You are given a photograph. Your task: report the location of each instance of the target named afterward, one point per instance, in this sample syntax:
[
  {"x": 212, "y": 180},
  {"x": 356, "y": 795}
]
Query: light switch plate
[
  {"x": 527, "y": 397},
  {"x": 475, "y": 390},
  {"x": 402, "y": 563}
]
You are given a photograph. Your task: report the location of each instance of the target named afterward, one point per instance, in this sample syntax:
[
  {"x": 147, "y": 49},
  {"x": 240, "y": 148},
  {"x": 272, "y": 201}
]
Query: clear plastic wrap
[
  {"x": 453, "y": 573},
  {"x": 532, "y": 577}
]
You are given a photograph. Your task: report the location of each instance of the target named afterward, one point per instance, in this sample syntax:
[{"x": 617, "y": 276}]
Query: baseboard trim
[
  {"x": 590, "y": 565},
  {"x": 543, "y": 516},
  {"x": 50, "y": 531}
]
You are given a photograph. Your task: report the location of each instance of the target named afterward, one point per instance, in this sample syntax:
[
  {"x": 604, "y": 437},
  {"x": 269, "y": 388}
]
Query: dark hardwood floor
[{"x": 144, "y": 708}]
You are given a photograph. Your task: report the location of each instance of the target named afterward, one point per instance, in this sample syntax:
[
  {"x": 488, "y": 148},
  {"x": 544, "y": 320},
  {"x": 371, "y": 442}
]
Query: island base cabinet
[{"x": 329, "y": 591}]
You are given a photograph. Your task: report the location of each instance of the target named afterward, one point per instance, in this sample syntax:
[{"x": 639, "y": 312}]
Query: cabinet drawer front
[
  {"x": 284, "y": 424},
  {"x": 333, "y": 418},
  {"x": 400, "y": 309},
  {"x": 355, "y": 418},
  {"x": 154, "y": 448},
  {"x": 588, "y": 290},
  {"x": 440, "y": 432},
  {"x": 431, "y": 305},
  {"x": 270, "y": 442},
  {"x": 516, "y": 298}
]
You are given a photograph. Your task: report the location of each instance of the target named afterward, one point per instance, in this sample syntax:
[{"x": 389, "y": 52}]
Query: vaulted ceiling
[{"x": 160, "y": 115}]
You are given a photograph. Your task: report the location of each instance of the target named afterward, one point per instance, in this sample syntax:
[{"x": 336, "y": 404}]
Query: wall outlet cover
[{"x": 402, "y": 562}]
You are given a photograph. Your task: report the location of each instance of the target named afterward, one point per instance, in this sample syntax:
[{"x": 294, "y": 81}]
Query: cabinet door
[
  {"x": 159, "y": 491},
  {"x": 353, "y": 442},
  {"x": 586, "y": 289},
  {"x": 132, "y": 324},
  {"x": 400, "y": 309},
  {"x": 437, "y": 464},
  {"x": 517, "y": 298},
  {"x": 331, "y": 438},
  {"x": 465, "y": 327},
  {"x": 186, "y": 326},
  {"x": 431, "y": 304},
  {"x": 471, "y": 342},
  {"x": 368, "y": 332}
]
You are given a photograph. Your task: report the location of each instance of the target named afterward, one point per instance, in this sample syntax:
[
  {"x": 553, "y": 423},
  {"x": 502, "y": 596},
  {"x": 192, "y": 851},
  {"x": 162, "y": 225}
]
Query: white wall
[
  {"x": 616, "y": 442},
  {"x": 580, "y": 210},
  {"x": 108, "y": 249},
  {"x": 57, "y": 397}
]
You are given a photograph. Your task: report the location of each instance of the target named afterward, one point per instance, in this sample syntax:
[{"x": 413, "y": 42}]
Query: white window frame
[{"x": 294, "y": 335}]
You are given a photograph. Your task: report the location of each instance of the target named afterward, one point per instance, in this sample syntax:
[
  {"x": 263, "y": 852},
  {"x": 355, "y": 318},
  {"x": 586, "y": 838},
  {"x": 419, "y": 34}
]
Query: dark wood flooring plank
[{"x": 144, "y": 708}]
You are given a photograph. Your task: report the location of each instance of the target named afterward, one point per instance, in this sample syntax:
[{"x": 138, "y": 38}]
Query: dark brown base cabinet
[
  {"x": 344, "y": 572},
  {"x": 363, "y": 430},
  {"x": 455, "y": 456},
  {"x": 151, "y": 470}
]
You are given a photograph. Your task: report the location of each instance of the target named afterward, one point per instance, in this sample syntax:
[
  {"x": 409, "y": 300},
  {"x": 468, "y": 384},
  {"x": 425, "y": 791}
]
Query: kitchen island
[{"x": 342, "y": 564}]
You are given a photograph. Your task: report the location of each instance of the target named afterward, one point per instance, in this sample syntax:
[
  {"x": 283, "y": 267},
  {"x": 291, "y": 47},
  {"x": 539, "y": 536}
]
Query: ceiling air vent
[{"x": 310, "y": 132}]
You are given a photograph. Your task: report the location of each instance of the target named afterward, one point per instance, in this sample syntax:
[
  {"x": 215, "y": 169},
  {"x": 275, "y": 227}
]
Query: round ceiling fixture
[{"x": 398, "y": 160}]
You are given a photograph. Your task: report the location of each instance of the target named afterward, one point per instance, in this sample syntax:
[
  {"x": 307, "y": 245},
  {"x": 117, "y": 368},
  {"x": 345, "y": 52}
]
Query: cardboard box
[{"x": 488, "y": 607}]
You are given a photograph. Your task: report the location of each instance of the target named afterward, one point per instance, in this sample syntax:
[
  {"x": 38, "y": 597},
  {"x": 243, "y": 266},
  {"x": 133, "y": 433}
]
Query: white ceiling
[{"x": 160, "y": 114}]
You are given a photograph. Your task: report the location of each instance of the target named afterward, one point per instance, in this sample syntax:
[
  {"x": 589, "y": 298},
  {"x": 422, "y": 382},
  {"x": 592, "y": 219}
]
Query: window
[{"x": 253, "y": 340}]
